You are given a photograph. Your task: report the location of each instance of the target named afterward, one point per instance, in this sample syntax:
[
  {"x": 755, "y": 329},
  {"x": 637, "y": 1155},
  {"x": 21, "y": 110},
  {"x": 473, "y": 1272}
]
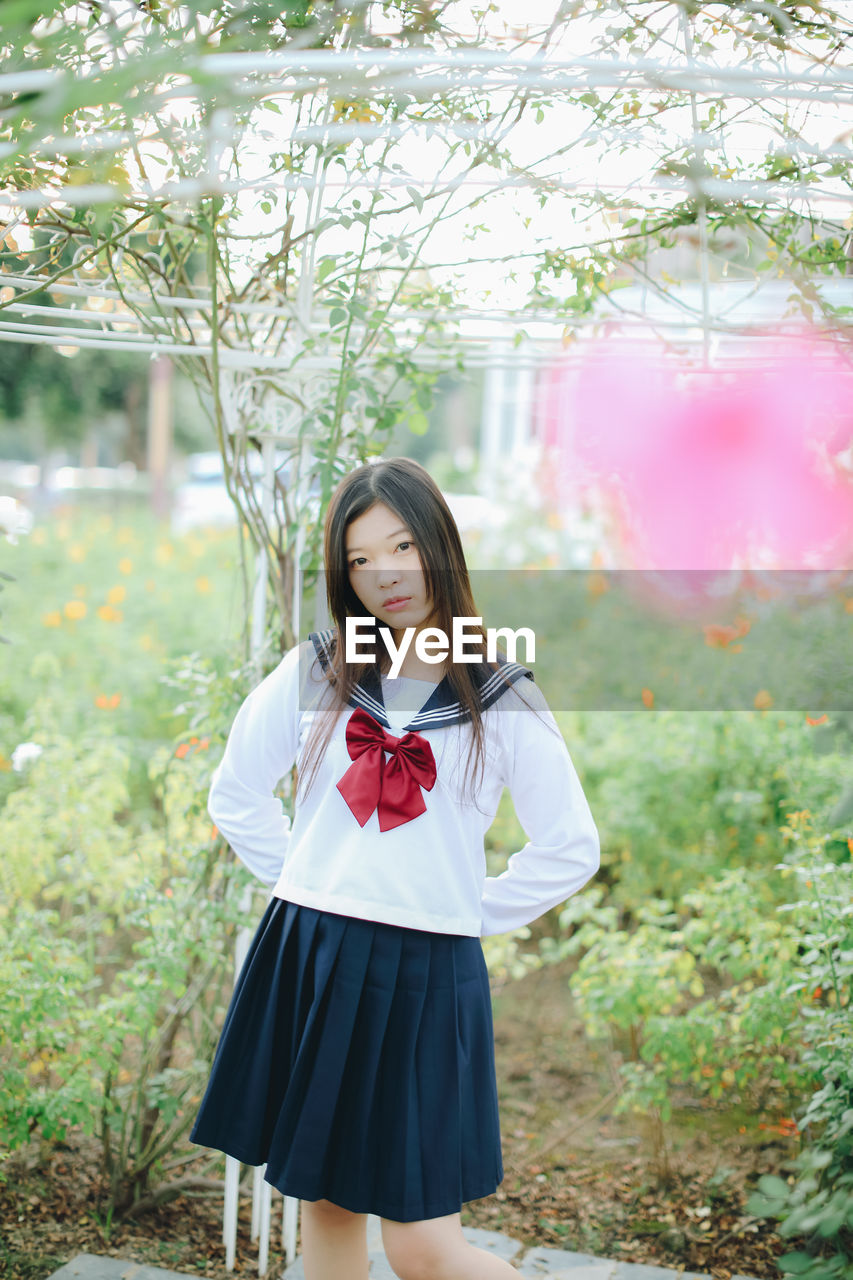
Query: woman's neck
[{"x": 413, "y": 669}]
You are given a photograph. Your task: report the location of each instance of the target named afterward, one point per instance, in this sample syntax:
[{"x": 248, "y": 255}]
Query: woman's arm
[
  {"x": 563, "y": 850},
  {"x": 260, "y": 750}
]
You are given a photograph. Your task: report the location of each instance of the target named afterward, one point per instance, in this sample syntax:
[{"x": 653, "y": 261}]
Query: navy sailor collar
[{"x": 442, "y": 709}]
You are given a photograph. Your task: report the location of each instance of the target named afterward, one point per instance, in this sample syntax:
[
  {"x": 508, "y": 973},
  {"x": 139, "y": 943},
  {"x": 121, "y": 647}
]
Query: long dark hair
[{"x": 410, "y": 492}]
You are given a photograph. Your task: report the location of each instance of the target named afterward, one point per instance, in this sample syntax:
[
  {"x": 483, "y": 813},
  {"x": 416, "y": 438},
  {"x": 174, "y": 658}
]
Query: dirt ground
[{"x": 575, "y": 1176}]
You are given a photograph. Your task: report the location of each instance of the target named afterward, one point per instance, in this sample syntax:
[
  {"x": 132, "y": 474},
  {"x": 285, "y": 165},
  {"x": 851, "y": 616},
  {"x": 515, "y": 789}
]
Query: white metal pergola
[{"x": 90, "y": 313}]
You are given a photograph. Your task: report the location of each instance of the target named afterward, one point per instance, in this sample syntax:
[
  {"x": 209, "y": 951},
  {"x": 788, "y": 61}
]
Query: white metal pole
[
  {"x": 259, "y": 600},
  {"x": 290, "y": 1212},
  {"x": 522, "y": 401},
  {"x": 257, "y": 1184},
  {"x": 229, "y": 1220},
  {"x": 290, "y": 1217},
  {"x": 265, "y": 1206},
  {"x": 494, "y": 388}
]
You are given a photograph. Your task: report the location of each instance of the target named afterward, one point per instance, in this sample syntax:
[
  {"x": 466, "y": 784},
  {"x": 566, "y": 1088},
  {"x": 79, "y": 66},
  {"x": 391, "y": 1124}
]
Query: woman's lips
[{"x": 399, "y": 603}]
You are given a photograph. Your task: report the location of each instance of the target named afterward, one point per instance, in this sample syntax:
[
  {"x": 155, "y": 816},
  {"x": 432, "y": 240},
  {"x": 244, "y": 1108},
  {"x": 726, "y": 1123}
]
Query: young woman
[{"x": 357, "y": 1056}]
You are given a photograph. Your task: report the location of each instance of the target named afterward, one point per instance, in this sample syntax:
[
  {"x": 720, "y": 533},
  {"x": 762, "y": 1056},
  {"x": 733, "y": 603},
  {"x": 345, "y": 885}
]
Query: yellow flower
[
  {"x": 52, "y": 619},
  {"x": 125, "y": 565},
  {"x": 75, "y": 609},
  {"x": 124, "y": 535},
  {"x": 763, "y": 700},
  {"x": 38, "y": 537},
  {"x": 77, "y": 553},
  {"x": 107, "y": 612},
  {"x": 202, "y": 585},
  {"x": 164, "y": 553},
  {"x": 115, "y": 595}
]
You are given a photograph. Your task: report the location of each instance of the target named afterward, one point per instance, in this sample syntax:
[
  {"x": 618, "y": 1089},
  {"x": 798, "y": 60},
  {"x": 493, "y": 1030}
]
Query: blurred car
[
  {"x": 16, "y": 518},
  {"x": 202, "y": 498}
]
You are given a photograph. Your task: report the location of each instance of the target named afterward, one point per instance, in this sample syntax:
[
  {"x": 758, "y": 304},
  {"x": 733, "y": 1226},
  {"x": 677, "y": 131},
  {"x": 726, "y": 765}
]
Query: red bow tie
[{"x": 393, "y": 788}]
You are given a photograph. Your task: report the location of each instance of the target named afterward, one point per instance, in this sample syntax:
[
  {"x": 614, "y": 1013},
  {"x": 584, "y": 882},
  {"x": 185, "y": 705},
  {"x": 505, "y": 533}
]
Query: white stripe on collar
[{"x": 441, "y": 709}]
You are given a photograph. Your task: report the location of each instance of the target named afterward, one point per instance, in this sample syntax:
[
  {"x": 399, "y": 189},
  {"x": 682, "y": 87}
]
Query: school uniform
[{"x": 357, "y": 1056}]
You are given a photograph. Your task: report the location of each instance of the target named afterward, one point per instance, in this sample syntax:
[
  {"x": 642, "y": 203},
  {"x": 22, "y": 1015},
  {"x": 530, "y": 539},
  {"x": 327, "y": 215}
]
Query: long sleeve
[
  {"x": 563, "y": 849},
  {"x": 260, "y": 750}
]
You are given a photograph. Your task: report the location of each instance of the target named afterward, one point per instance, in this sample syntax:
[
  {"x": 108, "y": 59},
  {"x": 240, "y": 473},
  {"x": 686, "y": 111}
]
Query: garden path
[{"x": 532, "y": 1261}]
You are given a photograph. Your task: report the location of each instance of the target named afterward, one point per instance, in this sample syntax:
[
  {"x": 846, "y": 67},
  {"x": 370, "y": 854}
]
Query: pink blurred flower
[{"x": 710, "y": 471}]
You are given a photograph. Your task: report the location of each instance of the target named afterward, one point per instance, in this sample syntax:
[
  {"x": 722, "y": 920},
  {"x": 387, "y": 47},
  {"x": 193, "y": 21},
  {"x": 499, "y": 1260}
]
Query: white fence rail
[{"x": 262, "y": 1195}]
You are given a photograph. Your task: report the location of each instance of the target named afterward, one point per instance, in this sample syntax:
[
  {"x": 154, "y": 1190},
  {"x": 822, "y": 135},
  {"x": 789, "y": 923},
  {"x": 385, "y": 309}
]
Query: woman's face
[{"x": 385, "y": 569}]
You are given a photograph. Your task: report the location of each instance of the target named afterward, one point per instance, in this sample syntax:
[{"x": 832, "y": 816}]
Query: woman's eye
[{"x": 357, "y": 561}]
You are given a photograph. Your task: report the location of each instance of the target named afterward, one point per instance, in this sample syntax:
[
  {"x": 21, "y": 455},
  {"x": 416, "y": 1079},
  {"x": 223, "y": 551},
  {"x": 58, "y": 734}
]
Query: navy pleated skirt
[{"x": 357, "y": 1062}]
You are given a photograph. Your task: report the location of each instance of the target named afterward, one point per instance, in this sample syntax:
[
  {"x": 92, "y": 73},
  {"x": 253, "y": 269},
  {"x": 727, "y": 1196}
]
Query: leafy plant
[
  {"x": 116, "y": 959},
  {"x": 815, "y": 1203},
  {"x": 715, "y": 800},
  {"x": 727, "y": 991}
]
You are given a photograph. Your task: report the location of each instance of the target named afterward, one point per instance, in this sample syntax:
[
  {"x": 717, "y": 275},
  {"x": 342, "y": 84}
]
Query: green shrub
[
  {"x": 816, "y": 1203},
  {"x": 650, "y": 985},
  {"x": 678, "y": 798},
  {"x": 116, "y": 951}
]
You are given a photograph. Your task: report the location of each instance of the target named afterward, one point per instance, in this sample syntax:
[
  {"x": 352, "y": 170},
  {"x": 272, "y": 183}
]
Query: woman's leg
[
  {"x": 437, "y": 1250},
  {"x": 334, "y": 1242}
]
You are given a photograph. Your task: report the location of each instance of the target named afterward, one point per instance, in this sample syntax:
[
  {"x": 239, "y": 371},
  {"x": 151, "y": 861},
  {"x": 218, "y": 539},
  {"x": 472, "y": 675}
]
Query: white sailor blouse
[{"x": 389, "y": 830}]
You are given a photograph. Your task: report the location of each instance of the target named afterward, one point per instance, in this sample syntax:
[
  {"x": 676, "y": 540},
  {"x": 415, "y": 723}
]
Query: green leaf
[
  {"x": 418, "y": 424},
  {"x": 771, "y": 1185},
  {"x": 832, "y": 1223},
  {"x": 337, "y": 316},
  {"x": 795, "y": 1263},
  {"x": 416, "y": 198}
]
